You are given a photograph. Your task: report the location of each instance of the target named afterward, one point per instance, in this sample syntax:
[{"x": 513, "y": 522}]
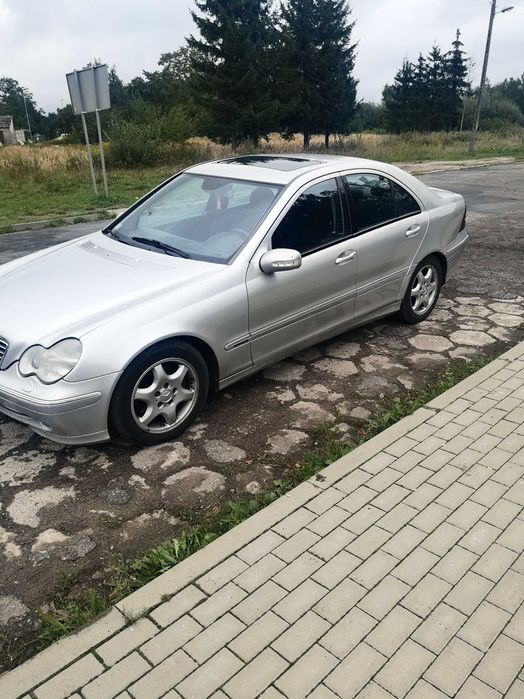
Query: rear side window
[
  {"x": 406, "y": 204},
  {"x": 371, "y": 201},
  {"x": 314, "y": 221}
]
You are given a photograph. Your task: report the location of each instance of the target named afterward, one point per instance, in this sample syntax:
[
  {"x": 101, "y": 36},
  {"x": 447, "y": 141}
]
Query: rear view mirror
[{"x": 280, "y": 260}]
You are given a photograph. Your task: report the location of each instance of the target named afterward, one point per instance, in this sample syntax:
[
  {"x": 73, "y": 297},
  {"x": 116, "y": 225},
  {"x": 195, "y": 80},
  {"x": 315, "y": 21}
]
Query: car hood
[{"x": 69, "y": 290}]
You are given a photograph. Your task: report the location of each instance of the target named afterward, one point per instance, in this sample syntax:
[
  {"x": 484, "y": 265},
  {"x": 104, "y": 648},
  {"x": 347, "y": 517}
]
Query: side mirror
[{"x": 280, "y": 260}]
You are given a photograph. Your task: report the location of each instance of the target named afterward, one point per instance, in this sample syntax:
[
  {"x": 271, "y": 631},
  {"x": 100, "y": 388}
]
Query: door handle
[
  {"x": 345, "y": 256},
  {"x": 412, "y": 231}
]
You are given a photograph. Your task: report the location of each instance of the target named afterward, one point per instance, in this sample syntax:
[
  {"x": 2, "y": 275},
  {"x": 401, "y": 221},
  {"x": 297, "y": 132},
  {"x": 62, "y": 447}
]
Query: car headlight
[{"x": 53, "y": 363}]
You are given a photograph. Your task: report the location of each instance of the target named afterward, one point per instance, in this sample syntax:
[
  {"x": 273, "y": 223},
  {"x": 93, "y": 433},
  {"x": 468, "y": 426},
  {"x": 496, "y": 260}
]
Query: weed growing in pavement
[
  {"x": 65, "y": 616},
  {"x": 57, "y": 223},
  {"x": 133, "y": 618},
  {"x": 59, "y": 622}
]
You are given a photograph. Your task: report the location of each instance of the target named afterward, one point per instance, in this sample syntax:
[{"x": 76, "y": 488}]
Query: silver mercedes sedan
[{"x": 225, "y": 268}]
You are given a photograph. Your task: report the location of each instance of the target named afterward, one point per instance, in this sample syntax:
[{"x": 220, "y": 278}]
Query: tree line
[
  {"x": 254, "y": 67},
  {"x": 428, "y": 95}
]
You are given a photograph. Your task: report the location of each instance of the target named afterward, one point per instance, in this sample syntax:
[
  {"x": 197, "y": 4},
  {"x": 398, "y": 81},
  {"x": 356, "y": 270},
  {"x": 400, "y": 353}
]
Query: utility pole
[
  {"x": 476, "y": 121},
  {"x": 27, "y": 117},
  {"x": 471, "y": 65}
]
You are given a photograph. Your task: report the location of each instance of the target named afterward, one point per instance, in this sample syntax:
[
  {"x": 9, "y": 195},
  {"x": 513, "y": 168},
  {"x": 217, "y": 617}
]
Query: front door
[
  {"x": 291, "y": 309},
  {"x": 389, "y": 225}
]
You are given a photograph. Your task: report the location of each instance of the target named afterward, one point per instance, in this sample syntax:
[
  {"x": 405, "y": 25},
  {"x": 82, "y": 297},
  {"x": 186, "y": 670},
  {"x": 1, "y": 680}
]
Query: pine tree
[
  {"x": 427, "y": 95},
  {"x": 316, "y": 61},
  {"x": 437, "y": 112},
  {"x": 457, "y": 71},
  {"x": 298, "y": 69},
  {"x": 337, "y": 87},
  {"x": 232, "y": 77},
  {"x": 419, "y": 96},
  {"x": 398, "y": 100}
]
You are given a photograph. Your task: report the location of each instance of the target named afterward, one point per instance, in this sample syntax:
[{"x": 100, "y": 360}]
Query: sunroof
[{"x": 272, "y": 162}]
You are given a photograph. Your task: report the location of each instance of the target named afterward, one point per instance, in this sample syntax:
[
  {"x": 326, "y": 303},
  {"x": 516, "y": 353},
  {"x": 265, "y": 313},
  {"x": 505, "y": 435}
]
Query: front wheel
[
  {"x": 159, "y": 395},
  {"x": 422, "y": 292}
]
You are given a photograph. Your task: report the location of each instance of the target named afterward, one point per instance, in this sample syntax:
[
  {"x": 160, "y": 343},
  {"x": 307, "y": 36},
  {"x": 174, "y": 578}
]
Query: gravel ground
[{"x": 69, "y": 511}]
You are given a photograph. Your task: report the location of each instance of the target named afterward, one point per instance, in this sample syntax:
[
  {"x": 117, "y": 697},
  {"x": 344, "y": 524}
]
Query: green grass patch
[
  {"x": 66, "y": 614},
  {"x": 58, "y": 194},
  {"x": 62, "y": 620}
]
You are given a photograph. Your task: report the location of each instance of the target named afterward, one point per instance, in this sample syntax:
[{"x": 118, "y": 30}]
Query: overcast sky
[{"x": 41, "y": 41}]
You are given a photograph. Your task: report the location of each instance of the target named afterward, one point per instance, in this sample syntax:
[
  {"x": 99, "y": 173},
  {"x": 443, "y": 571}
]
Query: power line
[{"x": 466, "y": 2}]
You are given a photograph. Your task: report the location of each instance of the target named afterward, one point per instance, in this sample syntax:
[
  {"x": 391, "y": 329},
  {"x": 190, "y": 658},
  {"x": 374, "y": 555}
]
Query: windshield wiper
[
  {"x": 168, "y": 249},
  {"x": 111, "y": 233},
  {"x": 116, "y": 236}
]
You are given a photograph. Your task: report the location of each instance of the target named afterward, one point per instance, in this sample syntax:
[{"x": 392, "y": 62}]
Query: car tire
[
  {"x": 159, "y": 394},
  {"x": 422, "y": 292}
]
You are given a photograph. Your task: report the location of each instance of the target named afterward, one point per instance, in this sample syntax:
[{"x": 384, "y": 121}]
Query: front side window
[
  {"x": 198, "y": 217},
  {"x": 314, "y": 221},
  {"x": 371, "y": 201}
]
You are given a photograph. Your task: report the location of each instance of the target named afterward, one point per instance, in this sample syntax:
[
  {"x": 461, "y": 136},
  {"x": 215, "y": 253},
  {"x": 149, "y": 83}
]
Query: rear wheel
[
  {"x": 422, "y": 292},
  {"x": 160, "y": 394}
]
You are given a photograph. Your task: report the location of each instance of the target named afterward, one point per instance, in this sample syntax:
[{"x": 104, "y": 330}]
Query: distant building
[
  {"x": 7, "y": 131},
  {"x": 9, "y": 136},
  {"x": 20, "y": 136}
]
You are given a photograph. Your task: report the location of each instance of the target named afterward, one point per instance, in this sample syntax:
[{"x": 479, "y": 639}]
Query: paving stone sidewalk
[{"x": 397, "y": 572}]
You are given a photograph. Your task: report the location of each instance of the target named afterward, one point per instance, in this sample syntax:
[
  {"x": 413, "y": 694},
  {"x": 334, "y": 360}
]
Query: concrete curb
[
  {"x": 426, "y": 168},
  {"x": 66, "y": 651},
  {"x": 70, "y": 218}
]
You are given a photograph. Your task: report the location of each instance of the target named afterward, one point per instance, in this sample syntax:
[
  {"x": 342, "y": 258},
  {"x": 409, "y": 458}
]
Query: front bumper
[{"x": 65, "y": 412}]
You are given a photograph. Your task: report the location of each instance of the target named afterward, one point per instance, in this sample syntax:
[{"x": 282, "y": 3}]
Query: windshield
[{"x": 197, "y": 217}]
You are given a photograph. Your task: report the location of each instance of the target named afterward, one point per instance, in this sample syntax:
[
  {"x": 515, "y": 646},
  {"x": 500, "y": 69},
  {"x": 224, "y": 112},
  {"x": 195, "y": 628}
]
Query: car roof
[{"x": 280, "y": 169}]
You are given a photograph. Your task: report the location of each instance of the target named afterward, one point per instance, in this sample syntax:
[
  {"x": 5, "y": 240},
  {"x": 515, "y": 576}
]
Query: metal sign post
[
  {"x": 89, "y": 92},
  {"x": 102, "y": 156},
  {"x": 89, "y": 156}
]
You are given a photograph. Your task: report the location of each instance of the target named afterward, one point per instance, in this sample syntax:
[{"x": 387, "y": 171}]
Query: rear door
[
  {"x": 389, "y": 225},
  {"x": 296, "y": 307}
]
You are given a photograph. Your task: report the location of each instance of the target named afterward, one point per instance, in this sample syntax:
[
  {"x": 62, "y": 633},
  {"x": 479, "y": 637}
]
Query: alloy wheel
[
  {"x": 424, "y": 289},
  {"x": 164, "y": 395}
]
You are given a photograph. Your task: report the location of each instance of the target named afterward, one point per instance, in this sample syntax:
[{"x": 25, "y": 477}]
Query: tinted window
[
  {"x": 406, "y": 204},
  {"x": 371, "y": 201},
  {"x": 314, "y": 221}
]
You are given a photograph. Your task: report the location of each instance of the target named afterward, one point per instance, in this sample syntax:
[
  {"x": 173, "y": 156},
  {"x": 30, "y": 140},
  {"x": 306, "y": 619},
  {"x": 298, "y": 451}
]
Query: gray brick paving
[{"x": 399, "y": 575}]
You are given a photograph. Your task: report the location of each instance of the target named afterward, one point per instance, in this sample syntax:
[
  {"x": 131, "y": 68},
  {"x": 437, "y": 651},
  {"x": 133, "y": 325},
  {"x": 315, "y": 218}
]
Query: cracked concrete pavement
[{"x": 71, "y": 511}]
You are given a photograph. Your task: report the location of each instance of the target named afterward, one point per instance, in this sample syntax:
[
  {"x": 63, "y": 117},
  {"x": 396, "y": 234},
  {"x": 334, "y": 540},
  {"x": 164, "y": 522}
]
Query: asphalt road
[
  {"x": 487, "y": 190},
  {"x": 13, "y": 245},
  {"x": 67, "y": 513}
]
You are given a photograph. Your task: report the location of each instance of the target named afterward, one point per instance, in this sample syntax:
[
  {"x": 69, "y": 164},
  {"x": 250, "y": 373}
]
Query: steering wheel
[{"x": 239, "y": 233}]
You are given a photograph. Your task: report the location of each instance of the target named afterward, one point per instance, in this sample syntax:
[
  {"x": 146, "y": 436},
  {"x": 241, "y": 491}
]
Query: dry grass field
[
  {"x": 395, "y": 148},
  {"x": 52, "y": 181}
]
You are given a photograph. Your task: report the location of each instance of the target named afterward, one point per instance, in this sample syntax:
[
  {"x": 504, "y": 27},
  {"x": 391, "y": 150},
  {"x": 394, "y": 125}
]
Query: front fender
[{"x": 214, "y": 315}]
